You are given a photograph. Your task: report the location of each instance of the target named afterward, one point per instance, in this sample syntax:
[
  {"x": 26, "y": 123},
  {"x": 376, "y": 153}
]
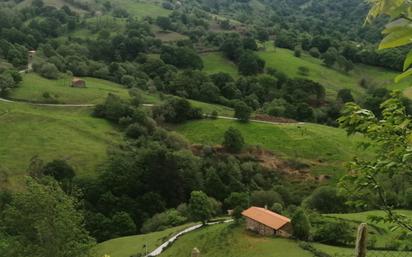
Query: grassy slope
[
  {"x": 67, "y": 133},
  {"x": 216, "y": 62},
  {"x": 143, "y": 8},
  {"x": 33, "y": 87},
  {"x": 382, "y": 239},
  {"x": 333, "y": 80},
  {"x": 226, "y": 240},
  {"x": 349, "y": 252},
  {"x": 127, "y": 246},
  {"x": 324, "y": 147}
]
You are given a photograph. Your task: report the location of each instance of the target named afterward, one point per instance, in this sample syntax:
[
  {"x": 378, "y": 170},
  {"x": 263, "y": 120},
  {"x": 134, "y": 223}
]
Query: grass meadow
[
  {"x": 325, "y": 148},
  {"x": 228, "y": 240},
  {"x": 51, "y": 133},
  {"x": 131, "y": 245}
]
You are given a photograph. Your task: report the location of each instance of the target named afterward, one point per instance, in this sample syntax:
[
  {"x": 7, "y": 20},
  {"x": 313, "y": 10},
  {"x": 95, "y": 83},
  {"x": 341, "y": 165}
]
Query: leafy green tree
[
  {"x": 345, "y": 95},
  {"x": 43, "y": 221},
  {"x": 237, "y": 202},
  {"x": 301, "y": 225},
  {"x": 325, "y": 199},
  {"x": 335, "y": 233},
  {"x": 391, "y": 136},
  {"x": 200, "y": 207},
  {"x": 330, "y": 57},
  {"x": 233, "y": 140},
  {"x": 265, "y": 198},
  {"x": 242, "y": 111},
  {"x": 123, "y": 224},
  {"x": 49, "y": 70},
  {"x": 250, "y": 64}
]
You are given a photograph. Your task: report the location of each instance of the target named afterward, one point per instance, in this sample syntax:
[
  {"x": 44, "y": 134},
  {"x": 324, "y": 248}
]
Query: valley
[{"x": 125, "y": 122}]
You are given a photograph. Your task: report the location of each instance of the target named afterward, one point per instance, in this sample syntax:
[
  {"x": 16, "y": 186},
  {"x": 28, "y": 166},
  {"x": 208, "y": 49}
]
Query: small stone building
[
  {"x": 267, "y": 223},
  {"x": 76, "y": 82}
]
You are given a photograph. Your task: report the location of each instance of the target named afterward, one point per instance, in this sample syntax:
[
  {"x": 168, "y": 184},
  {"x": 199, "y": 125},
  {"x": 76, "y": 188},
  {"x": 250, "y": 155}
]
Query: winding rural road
[
  {"x": 146, "y": 105},
  {"x": 171, "y": 240}
]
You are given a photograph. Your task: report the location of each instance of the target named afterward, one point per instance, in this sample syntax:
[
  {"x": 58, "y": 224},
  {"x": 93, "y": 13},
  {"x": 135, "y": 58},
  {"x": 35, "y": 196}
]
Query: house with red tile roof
[{"x": 267, "y": 223}]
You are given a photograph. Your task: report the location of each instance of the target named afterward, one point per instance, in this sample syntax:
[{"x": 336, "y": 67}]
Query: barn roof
[
  {"x": 77, "y": 80},
  {"x": 266, "y": 217}
]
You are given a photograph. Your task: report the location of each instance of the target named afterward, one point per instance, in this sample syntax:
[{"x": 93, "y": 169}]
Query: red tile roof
[{"x": 266, "y": 217}]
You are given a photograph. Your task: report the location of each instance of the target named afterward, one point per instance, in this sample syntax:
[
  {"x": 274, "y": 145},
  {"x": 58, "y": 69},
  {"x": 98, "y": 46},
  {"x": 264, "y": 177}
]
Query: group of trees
[{"x": 9, "y": 79}]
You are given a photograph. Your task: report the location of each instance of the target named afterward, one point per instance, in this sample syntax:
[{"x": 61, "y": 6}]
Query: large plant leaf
[
  {"x": 399, "y": 37},
  {"x": 404, "y": 75}
]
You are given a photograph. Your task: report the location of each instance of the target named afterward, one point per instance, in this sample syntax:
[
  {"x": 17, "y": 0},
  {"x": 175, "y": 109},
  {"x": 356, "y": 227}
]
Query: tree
[
  {"x": 43, "y": 221},
  {"x": 325, "y": 199},
  {"x": 164, "y": 22},
  {"x": 233, "y": 140},
  {"x": 345, "y": 95},
  {"x": 265, "y": 198},
  {"x": 200, "y": 207},
  {"x": 242, "y": 111},
  {"x": 330, "y": 57},
  {"x": 60, "y": 170},
  {"x": 123, "y": 224},
  {"x": 237, "y": 202},
  {"x": 250, "y": 64},
  {"x": 391, "y": 136},
  {"x": 301, "y": 225}
]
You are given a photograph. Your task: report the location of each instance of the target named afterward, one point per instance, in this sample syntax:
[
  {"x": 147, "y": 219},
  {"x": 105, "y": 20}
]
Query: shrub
[
  {"x": 233, "y": 140},
  {"x": 164, "y": 220},
  {"x": 301, "y": 225},
  {"x": 49, "y": 70},
  {"x": 242, "y": 111}
]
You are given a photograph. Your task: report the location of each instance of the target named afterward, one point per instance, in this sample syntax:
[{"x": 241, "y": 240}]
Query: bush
[
  {"x": 303, "y": 71},
  {"x": 164, "y": 220},
  {"x": 334, "y": 232},
  {"x": 49, "y": 70},
  {"x": 301, "y": 225},
  {"x": 242, "y": 111},
  {"x": 233, "y": 140},
  {"x": 314, "y": 52},
  {"x": 265, "y": 198},
  {"x": 326, "y": 200},
  {"x": 297, "y": 52}
]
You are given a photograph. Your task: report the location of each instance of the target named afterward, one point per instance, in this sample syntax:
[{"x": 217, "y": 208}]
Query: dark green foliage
[
  {"x": 164, "y": 220},
  {"x": 59, "y": 170},
  {"x": 250, "y": 64},
  {"x": 113, "y": 109},
  {"x": 325, "y": 199},
  {"x": 335, "y": 233},
  {"x": 200, "y": 207},
  {"x": 242, "y": 111},
  {"x": 345, "y": 95},
  {"x": 233, "y": 140},
  {"x": 181, "y": 57},
  {"x": 265, "y": 198},
  {"x": 43, "y": 211},
  {"x": 301, "y": 225},
  {"x": 177, "y": 110}
]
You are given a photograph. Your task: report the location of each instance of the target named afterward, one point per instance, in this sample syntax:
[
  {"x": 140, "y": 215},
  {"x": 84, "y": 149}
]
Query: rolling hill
[
  {"x": 51, "y": 133},
  {"x": 127, "y": 246},
  {"x": 324, "y": 149},
  {"x": 230, "y": 240}
]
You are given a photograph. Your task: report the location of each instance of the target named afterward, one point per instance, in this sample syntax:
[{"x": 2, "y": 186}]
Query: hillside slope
[
  {"x": 51, "y": 133},
  {"x": 229, "y": 240},
  {"x": 325, "y": 149}
]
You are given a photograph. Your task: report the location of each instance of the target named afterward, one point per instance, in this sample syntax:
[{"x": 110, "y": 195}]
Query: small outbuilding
[
  {"x": 267, "y": 223},
  {"x": 76, "y": 82}
]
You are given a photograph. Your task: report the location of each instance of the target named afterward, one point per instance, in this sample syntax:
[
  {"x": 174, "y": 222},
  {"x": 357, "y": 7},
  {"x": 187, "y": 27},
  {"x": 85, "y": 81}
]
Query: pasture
[
  {"x": 231, "y": 240},
  {"x": 51, "y": 133},
  {"x": 127, "y": 246},
  {"x": 324, "y": 148}
]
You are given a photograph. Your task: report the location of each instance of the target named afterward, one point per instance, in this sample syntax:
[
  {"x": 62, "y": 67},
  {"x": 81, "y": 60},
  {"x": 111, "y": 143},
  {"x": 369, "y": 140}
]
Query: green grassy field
[
  {"x": 386, "y": 235},
  {"x": 333, "y": 80},
  {"x": 343, "y": 251},
  {"x": 326, "y": 149},
  {"x": 215, "y": 62},
  {"x": 51, "y": 133},
  {"x": 127, "y": 246},
  {"x": 142, "y": 8},
  {"x": 34, "y": 86},
  {"x": 227, "y": 240}
]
